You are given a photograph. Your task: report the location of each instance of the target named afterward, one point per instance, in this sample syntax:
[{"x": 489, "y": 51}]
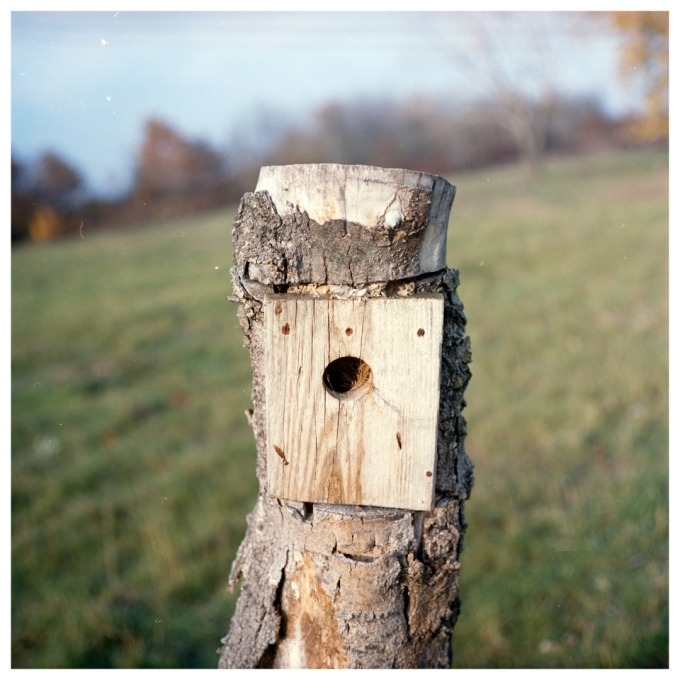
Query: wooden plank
[{"x": 329, "y": 442}]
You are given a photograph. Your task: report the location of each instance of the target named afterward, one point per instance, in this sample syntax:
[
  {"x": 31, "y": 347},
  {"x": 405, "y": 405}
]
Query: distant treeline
[{"x": 176, "y": 175}]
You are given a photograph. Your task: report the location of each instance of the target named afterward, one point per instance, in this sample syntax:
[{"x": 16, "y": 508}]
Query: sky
[{"x": 84, "y": 83}]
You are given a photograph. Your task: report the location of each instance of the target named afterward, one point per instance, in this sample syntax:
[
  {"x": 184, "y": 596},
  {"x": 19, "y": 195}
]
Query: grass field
[{"x": 133, "y": 464}]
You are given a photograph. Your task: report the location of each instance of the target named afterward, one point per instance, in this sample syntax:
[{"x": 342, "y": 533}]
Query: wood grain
[{"x": 373, "y": 447}]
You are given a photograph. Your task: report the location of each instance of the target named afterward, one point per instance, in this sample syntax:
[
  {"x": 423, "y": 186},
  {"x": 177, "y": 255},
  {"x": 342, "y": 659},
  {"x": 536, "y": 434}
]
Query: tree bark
[{"x": 337, "y": 585}]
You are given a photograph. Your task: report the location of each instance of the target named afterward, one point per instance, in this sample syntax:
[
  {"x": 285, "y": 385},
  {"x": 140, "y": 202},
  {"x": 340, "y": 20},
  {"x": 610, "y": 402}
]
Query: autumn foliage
[
  {"x": 46, "y": 206},
  {"x": 645, "y": 56},
  {"x": 175, "y": 175},
  {"x": 169, "y": 163}
]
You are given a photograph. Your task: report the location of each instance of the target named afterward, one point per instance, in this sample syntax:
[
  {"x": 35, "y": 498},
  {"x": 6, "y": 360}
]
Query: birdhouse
[
  {"x": 352, "y": 399},
  {"x": 351, "y": 377},
  {"x": 356, "y": 338}
]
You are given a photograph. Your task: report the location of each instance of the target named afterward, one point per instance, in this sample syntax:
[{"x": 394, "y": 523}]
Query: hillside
[{"x": 133, "y": 464}]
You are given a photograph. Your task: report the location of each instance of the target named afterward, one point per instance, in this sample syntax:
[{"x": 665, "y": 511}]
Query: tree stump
[{"x": 360, "y": 361}]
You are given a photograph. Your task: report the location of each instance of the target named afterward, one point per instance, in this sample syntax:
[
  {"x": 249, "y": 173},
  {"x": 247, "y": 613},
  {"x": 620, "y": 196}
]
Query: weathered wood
[
  {"x": 352, "y": 391},
  {"x": 342, "y": 225},
  {"x": 345, "y": 585}
]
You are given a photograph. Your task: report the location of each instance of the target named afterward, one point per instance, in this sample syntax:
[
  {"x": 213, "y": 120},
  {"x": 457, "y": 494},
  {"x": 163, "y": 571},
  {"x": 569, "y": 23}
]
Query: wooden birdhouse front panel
[{"x": 352, "y": 393}]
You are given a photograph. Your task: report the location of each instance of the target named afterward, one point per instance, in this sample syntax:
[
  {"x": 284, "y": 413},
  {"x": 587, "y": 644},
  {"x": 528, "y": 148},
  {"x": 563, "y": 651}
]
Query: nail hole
[
  {"x": 428, "y": 474},
  {"x": 348, "y": 331},
  {"x": 421, "y": 332},
  {"x": 285, "y": 329},
  {"x": 347, "y": 378}
]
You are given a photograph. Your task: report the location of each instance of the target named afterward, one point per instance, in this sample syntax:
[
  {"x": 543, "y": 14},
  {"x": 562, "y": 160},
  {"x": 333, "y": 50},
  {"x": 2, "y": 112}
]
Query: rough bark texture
[
  {"x": 334, "y": 237},
  {"x": 330, "y": 586}
]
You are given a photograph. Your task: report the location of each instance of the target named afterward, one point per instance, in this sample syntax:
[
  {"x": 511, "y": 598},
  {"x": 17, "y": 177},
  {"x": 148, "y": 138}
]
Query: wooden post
[{"x": 360, "y": 361}]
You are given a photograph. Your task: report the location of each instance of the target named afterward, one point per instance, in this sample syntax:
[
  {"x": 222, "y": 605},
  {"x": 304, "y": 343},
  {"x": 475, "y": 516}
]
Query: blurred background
[{"x": 134, "y": 135}]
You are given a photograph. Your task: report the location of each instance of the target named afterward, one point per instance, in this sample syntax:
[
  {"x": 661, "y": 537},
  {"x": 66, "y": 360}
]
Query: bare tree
[{"x": 510, "y": 61}]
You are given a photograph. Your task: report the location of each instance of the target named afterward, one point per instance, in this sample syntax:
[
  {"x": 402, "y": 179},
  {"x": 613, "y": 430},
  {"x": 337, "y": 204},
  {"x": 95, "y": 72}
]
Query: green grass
[
  {"x": 564, "y": 279},
  {"x": 131, "y": 456},
  {"x": 133, "y": 464}
]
